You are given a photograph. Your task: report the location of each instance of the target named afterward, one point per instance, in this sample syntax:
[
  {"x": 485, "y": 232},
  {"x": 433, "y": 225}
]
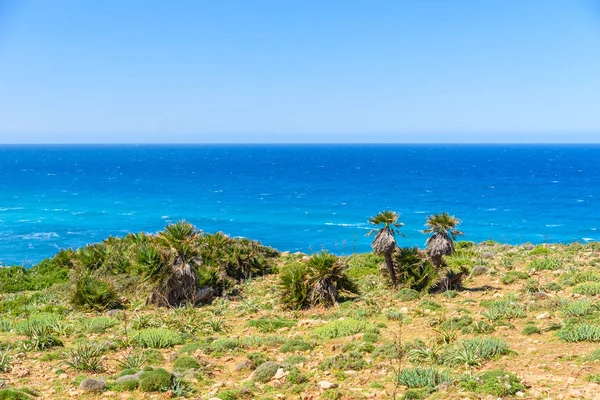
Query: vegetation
[
  {"x": 252, "y": 336},
  {"x": 386, "y": 223}
]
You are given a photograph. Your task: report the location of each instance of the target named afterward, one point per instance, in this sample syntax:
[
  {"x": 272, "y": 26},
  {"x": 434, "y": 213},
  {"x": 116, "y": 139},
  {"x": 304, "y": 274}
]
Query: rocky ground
[{"x": 531, "y": 313}]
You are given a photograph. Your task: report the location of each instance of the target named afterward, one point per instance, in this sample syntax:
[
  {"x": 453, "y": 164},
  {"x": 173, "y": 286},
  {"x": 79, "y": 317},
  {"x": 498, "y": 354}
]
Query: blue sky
[{"x": 75, "y": 71}]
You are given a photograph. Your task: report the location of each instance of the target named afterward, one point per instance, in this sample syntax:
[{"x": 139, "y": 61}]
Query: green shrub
[
  {"x": 125, "y": 386},
  {"x": 6, "y": 359},
  {"x": 594, "y": 356},
  {"x": 540, "y": 250},
  {"x": 544, "y": 264},
  {"x": 267, "y": 325},
  {"x": 319, "y": 281},
  {"x": 513, "y": 276},
  {"x": 85, "y": 357},
  {"x": 407, "y": 295},
  {"x": 158, "y": 380},
  {"x": 415, "y": 394},
  {"x": 577, "y": 308},
  {"x": 427, "y": 304},
  {"x": 530, "y": 330},
  {"x": 579, "y": 333},
  {"x": 257, "y": 359},
  {"x": 473, "y": 352},
  {"x": 414, "y": 271},
  {"x": 295, "y": 377},
  {"x": 264, "y": 372},
  {"x": 39, "y": 337},
  {"x": 553, "y": 287},
  {"x": 340, "y": 328},
  {"x": 295, "y": 359},
  {"x": 496, "y": 383},
  {"x": 574, "y": 278},
  {"x": 157, "y": 338},
  {"x": 363, "y": 265},
  {"x": 94, "y": 294},
  {"x": 13, "y": 394},
  {"x": 343, "y": 362},
  {"x": 423, "y": 377},
  {"x": 295, "y": 345},
  {"x": 587, "y": 288},
  {"x": 185, "y": 362},
  {"x": 99, "y": 324}
]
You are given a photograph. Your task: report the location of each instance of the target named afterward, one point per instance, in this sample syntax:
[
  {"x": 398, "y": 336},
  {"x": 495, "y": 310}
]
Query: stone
[
  {"x": 112, "y": 313},
  {"x": 520, "y": 394},
  {"x": 487, "y": 255},
  {"x": 130, "y": 377},
  {"x": 285, "y": 253},
  {"x": 479, "y": 270},
  {"x": 279, "y": 374},
  {"x": 543, "y": 316},
  {"x": 204, "y": 294},
  {"x": 63, "y": 376},
  {"x": 244, "y": 365},
  {"x": 92, "y": 385},
  {"x": 20, "y": 372},
  {"x": 325, "y": 385}
]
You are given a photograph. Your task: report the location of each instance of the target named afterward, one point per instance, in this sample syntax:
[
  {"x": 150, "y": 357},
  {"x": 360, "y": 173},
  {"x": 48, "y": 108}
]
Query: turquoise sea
[{"x": 294, "y": 197}]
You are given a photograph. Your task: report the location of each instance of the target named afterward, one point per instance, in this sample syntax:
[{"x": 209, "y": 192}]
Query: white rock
[
  {"x": 543, "y": 316},
  {"x": 324, "y": 385},
  {"x": 279, "y": 374},
  {"x": 520, "y": 394}
]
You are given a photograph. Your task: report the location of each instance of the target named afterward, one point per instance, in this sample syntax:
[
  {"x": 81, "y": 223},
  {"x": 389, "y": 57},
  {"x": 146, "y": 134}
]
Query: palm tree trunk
[{"x": 390, "y": 267}]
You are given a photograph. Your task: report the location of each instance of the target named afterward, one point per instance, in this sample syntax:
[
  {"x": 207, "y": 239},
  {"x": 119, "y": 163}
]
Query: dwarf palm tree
[
  {"x": 171, "y": 264},
  {"x": 441, "y": 243},
  {"x": 385, "y": 239}
]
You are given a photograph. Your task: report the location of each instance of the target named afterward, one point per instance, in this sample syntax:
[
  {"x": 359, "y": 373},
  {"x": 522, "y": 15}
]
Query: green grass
[
  {"x": 495, "y": 383},
  {"x": 423, "y": 377},
  {"x": 157, "y": 338},
  {"x": 587, "y": 288},
  {"x": 579, "y": 333},
  {"x": 340, "y": 328}
]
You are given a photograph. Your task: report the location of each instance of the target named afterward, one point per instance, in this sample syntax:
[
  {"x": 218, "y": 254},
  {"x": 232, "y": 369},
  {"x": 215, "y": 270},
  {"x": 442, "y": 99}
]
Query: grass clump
[
  {"x": 574, "y": 278},
  {"x": 86, "y": 357},
  {"x": 473, "y": 352},
  {"x": 157, "y": 338},
  {"x": 99, "y": 325},
  {"x": 6, "y": 360},
  {"x": 423, "y": 377},
  {"x": 531, "y": 330},
  {"x": 579, "y": 333},
  {"x": 185, "y": 362},
  {"x": 496, "y": 383},
  {"x": 407, "y": 294},
  {"x": 340, "y": 328},
  {"x": 295, "y": 345},
  {"x": 513, "y": 276},
  {"x": 428, "y": 304},
  {"x": 14, "y": 394},
  {"x": 587, "y": 288},
  {"x": 343, "y": 362},
  {"x": 158, "y": 380},
  {"x": 544, "y": 264},
  {"x": 267, "y": 325}
]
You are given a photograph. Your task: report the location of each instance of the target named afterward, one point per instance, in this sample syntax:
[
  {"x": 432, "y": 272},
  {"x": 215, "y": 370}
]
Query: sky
[{"x": 199, "y": 71}]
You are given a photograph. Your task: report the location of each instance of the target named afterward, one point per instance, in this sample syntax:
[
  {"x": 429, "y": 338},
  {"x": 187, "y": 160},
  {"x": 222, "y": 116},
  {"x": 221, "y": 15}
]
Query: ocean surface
[{"x": 294, "y": 197}]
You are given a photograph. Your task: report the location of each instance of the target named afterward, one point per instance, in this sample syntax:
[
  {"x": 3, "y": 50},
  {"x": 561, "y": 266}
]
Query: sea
[{"x": 293, "y": 197}]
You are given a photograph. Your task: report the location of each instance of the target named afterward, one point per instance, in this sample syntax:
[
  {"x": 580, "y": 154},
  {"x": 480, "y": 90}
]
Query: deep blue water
[{"x": 297, "y": 197}]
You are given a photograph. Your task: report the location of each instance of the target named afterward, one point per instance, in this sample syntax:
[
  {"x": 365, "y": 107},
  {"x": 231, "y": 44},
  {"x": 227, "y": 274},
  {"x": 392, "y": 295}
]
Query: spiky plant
[
  {"x": 414, "y": 270},
  {"x": 319, "y": 281},
  {"x": 386, "y": 223},
  {"x": 171, "y": 265}
]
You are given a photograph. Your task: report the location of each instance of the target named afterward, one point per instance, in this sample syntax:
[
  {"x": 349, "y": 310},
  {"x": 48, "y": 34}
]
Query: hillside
[{"x": 531, "y": 313}]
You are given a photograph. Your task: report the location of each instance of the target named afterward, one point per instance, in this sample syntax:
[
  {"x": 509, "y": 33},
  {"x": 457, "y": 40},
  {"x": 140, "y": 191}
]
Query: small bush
[
  {"x": 94, "y": 294},
  {"x": 574, "y": 278},
  {"x": 99, "y": 325},
  {"x": 473, "y": 352},
  {"x": 423, "y": 377},
  {"x": 158, "y": 380},
  {"x": 553, "y": 287},
  {"x": 85, "y": 357},
  {"x": 496, "y": 383},
  {"x": 295, "y": 345},
  {"x": 184, "y": 363},
  {"x": 587, "y": 288},
  {"x": 540, "y": 251},
  {"x": 544, "y": 264},
  {"x": 267, "y": 325},
  {"x": 427, "y": 304},
  {"x": 407, "y": 295},
  {"x": 343, "y": 362},
  {"x": 579, "y": 333},
  {"x": 13, "y": 394},
  {"x": 157, "y": 338},
  {"x": 265, "y": 372},
  {"x": 340, "y": 328},
  {"x": 513, "y": 276},
  {"x": 531, "y": 330}
]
